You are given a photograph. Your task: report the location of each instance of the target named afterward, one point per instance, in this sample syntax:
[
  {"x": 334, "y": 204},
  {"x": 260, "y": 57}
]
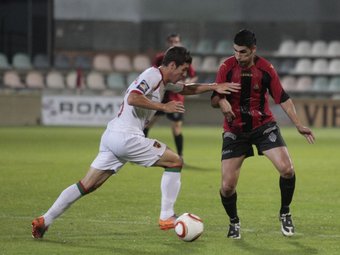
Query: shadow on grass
[
  {"x": 167, "y": 247},
  {"x": 298, "y": 248},
  {"x": 192, "y": 167}
]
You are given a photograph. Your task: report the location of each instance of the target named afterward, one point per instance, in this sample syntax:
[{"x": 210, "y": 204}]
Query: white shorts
[{"x": 117, "y": 148}]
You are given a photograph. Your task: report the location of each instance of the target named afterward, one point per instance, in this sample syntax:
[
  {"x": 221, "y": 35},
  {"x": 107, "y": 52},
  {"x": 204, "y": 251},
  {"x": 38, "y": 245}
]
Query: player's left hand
[
  {"x": 307, "y": 133},
  {"x": 227, "y": 87}
]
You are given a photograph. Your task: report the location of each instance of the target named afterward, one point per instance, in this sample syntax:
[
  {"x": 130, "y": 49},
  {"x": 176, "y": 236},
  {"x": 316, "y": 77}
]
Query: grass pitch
[{"x": 37, "y": 163}]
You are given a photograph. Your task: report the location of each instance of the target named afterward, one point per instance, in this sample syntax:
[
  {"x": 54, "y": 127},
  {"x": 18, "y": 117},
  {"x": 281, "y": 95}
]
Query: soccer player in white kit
[{"x": 124, "y": 141}]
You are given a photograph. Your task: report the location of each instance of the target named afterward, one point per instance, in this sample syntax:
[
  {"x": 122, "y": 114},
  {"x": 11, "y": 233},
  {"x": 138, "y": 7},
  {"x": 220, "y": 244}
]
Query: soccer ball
[{"x": 188, "y": 227}]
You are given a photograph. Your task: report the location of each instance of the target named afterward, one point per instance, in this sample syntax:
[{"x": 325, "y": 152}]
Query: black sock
[
  {"x": 287, "y": 187},
  {"x": 229, "y": 204},
  {"x": 146, "y": 131},
  {"x": 179, "y": 144}
]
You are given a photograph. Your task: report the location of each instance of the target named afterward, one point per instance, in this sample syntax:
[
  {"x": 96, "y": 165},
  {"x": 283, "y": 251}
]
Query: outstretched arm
[
  {"x": 289, "y": 108},
  {"x": 140, "y": 100},
  {"x": 221, "y": 88}
]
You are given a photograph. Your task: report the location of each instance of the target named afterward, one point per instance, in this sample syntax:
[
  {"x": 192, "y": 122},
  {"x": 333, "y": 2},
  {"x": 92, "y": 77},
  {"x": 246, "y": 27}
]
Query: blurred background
[{"x": 67, "y": 62}]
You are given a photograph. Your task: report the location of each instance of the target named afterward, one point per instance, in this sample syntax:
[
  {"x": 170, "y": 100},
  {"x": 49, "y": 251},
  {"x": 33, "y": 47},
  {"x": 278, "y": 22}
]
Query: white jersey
[{"x": 131, "y": 119}]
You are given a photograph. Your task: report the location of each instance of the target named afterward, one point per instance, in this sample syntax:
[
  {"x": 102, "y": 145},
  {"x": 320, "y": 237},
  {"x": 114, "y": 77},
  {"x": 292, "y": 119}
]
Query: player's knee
[
  {"x": 287, "y": 170},
  {"x": 85, "y": 189},
  {"x": 227, "y": 189},
  {"x": 177, "y": 162}
]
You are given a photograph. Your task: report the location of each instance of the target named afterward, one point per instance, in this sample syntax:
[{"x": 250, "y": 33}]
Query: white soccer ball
[{"x": 189, "y": 227}]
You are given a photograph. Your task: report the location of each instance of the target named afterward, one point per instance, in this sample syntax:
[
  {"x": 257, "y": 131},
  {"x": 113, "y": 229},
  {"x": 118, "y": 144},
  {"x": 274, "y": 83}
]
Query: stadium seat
[
  {"x": 303, "y": 66},
  {"x": 286, "y": 66},
  {"x": 209, "y": 78},
  {"x": 334, "y": 84},
  {"x": 222, "y": 60},
  {"x": 205, "y": 46},
  {"x": 116, "y": 81},
  {"x": 55, "y": 80},
  {"x": 320, "y": 83},
  {"x": 224, "y": 47},
  {"x": 319, "y": 48},
  {"x": 320, "y": 66},
  {"x": 333, "y": 49},
  {"x": 275, "y": 62},
  {"x": 304, "y": 83},
  {"x": 131, "y": 77},
  {"x": 122, "y": 63},
  {"x": 12, "y": 79},
  {"x": 209, "y": 64},
  {"x": 188, "y": 43},
  {"x": 196, "y": 63},
  {"x": 21, "y": 61},
  {"x": 141, "y": 62},
  {"x": 62, "y": 61},
  {"x": 102, "y": 62},
  {"x": 334, "y": 66},
  {"x": 286, "y": 48},
  {"x": 34, "y": 80},
  {"x": 72, "y": 78},
  {"x": 95, "y": 81},
  {"x": 4, "y": 64},
  {"x": 288, "y": 83},
  {"x": 83, "y": 62},
  {"x": 303, "y": 48},
  {"x": 40, "y": 61}
]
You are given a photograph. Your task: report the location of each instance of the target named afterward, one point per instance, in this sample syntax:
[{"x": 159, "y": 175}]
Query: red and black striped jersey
[{"x": 250, "y": 104}]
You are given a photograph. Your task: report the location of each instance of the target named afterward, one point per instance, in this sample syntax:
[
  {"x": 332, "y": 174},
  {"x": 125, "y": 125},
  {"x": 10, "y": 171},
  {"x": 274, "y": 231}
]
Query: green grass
[{"x": 37, "y": 163}]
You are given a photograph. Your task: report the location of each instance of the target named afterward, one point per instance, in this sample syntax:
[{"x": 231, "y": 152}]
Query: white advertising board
[{"x": 65, "y": 110}]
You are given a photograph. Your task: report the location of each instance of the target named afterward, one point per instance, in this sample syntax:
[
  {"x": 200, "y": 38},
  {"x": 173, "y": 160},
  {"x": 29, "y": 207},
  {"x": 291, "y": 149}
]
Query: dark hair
[
  {"x": 178, "y": 54},
  {"x": 172, "y": 35},
  {"x": 245, "y": 38}
]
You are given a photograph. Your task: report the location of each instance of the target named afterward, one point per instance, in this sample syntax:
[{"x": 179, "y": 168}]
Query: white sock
[
  {"x": 170, "y": 186},
  {"x": 64, "y": 201}
]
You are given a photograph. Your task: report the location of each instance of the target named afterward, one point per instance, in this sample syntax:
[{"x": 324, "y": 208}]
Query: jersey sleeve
[
  {"x": 276, "y": 90},
  {"x": 146, "y": 82},
  {"x": 220, "y": 77}
]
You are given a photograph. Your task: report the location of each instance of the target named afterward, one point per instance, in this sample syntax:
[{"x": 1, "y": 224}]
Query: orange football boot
[
  {"x": 167, "y": 224},
  {"x": 38, "y": 227}
]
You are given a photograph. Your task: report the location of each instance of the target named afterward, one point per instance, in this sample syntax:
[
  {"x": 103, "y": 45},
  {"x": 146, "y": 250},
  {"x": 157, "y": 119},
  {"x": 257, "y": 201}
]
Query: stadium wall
[{"x": 26, "y": 109}]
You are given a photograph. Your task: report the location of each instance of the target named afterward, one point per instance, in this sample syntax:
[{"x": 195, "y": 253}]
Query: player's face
[
  {"x": 174, "y": 41},
  {"x": 179, "y": 73},
  {"x": 244, "y": 55}
]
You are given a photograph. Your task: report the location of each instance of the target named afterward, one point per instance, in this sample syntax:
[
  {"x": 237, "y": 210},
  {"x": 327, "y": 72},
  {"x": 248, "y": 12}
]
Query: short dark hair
[
  {"x": 172, "y": 35},
  {"x": 178, "y": 54},
  {"x": 245, "y": 38}
]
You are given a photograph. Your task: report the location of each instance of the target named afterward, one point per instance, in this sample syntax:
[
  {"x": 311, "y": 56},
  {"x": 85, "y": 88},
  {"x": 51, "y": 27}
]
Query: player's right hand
[
  {"x": 228, "y": 87},
  {"x": 174, "y": 106},
  {"x": 307, "y": 133}
]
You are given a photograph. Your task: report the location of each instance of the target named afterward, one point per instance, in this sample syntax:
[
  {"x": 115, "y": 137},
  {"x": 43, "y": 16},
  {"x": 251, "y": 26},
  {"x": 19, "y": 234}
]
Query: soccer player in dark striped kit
[{"x": 249, "y": 121}]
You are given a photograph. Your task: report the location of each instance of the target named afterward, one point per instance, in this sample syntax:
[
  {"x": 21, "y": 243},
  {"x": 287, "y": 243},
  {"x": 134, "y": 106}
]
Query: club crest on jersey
[
  {"x": 256, "y": 87},
  {"x": 157, "y": 144},
  {"x": 143, "y": 86}
]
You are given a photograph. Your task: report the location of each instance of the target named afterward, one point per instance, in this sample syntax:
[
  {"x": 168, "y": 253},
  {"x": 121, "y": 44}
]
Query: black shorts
[
  {"x": 175, "y": 116},
  {"x": 264, "y": 138}
]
